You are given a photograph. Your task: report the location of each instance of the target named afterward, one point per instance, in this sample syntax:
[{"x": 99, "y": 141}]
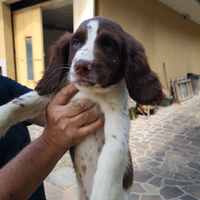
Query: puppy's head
[{"x": 100, "y": 53}]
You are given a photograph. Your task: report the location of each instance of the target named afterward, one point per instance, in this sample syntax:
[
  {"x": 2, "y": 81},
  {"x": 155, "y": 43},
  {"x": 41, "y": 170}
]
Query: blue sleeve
[{"x": 10, "y": 89}]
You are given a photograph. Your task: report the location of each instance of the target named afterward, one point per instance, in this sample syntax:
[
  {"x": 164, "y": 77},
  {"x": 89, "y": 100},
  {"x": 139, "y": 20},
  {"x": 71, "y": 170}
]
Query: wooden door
[{"x": 28, "y": 41}]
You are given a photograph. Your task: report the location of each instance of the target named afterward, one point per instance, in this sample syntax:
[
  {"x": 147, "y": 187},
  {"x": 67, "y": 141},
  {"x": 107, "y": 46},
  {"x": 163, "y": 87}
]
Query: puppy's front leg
[
  {"x": 19, "y": 109},
  {"x": 108, "y": 180}
]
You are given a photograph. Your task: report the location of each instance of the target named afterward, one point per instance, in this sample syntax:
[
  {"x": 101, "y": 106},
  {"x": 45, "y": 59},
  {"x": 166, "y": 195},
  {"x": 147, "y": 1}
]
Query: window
[{"x": 29, "y": 58}]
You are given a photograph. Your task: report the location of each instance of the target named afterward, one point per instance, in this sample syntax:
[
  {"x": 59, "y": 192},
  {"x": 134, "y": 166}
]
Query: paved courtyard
[{"x": 165, "y": 152}]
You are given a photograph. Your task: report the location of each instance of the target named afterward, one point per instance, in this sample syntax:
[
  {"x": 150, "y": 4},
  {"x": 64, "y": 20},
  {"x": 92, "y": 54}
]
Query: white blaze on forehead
[
  {"x": 86, "y": 52},
  {"x": 92, "y": 28}
]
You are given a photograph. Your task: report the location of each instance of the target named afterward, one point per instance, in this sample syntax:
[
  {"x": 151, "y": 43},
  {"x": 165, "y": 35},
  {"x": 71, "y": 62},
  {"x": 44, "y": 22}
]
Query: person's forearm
[{"x": 20, "y": 177}]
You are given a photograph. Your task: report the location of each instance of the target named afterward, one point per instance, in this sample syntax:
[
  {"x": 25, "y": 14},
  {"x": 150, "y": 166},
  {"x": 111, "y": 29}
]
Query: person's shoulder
[
  {"x": 6, "y": 81},
  {"x": 14, "y": 88},
  {"x": 5, "y": 95},
  {"x": 3, "y": 78}
]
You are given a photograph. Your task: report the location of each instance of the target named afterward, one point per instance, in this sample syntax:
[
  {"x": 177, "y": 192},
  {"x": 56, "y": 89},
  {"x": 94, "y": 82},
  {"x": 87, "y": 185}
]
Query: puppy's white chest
[{"x": 86, "y": 157}]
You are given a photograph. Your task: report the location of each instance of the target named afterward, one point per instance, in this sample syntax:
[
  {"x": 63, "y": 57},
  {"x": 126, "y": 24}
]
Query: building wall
[
  {"x": 2, "y": 44},
  {"x": 6, "y": 42},
  {"x": 167, "y": 37},
  {"x": 2, "y": 50}
]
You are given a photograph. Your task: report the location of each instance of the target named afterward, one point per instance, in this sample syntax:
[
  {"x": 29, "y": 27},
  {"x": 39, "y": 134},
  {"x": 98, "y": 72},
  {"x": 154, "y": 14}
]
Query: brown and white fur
[{"x": 103, "y": 61}]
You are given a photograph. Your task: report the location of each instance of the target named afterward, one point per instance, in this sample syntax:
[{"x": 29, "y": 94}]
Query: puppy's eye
[
  {"x": 109, "y": 43},
  {"x": 76, "y": 43}
]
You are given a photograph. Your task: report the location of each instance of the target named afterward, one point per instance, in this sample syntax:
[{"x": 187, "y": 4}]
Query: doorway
[
  {"x": 35, "y": 29},
  {"x": 28, "y": 44},
  {"x": 57, "y": 19}
]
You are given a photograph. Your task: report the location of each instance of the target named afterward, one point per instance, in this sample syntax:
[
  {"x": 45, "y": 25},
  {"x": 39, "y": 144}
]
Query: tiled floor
[{"x": 165, "y": 152}]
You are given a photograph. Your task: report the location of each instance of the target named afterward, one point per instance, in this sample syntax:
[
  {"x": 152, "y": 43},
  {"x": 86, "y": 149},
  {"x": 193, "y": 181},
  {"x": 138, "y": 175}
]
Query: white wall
[{"x": 3, "y": 67}]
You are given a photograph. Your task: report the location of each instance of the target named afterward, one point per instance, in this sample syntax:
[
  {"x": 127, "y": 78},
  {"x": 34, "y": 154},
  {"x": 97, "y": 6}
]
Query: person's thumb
[{"x": 65, "y": 94}]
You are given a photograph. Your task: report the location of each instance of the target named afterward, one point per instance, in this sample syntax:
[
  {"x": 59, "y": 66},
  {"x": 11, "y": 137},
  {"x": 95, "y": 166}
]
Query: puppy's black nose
[{"x": 82, "y": 67}]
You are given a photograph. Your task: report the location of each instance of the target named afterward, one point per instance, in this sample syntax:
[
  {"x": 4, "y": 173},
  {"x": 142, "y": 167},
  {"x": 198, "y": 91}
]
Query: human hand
[{"x": 65, "y": 121}]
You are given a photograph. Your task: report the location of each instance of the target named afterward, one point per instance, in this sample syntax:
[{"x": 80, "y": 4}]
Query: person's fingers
[
  {"x": 88, "y": 129},
  {"x": 76, "y": 107},
  {"x": 64, "y": 95},
  {"x": 85, "y": 116}
]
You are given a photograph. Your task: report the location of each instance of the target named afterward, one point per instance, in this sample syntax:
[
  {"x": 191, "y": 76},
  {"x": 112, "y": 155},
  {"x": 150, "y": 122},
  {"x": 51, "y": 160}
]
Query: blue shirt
[{"x": 17, "y": 137}]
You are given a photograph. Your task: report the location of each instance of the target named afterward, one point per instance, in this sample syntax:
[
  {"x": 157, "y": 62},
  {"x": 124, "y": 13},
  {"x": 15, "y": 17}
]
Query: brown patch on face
[
  {"x": 128, "y": 174},
  {"x": 108, "y": 53},
  {"x": 77, "y": 41}
]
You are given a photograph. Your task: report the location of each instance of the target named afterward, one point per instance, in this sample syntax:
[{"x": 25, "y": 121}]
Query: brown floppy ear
[
  {"x": 142, "y": 83},
  {"x": 58, "y": 68}
]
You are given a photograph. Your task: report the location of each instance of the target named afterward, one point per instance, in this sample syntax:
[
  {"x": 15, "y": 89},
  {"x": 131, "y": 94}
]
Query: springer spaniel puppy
[{"x": 103, "y": 61}]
